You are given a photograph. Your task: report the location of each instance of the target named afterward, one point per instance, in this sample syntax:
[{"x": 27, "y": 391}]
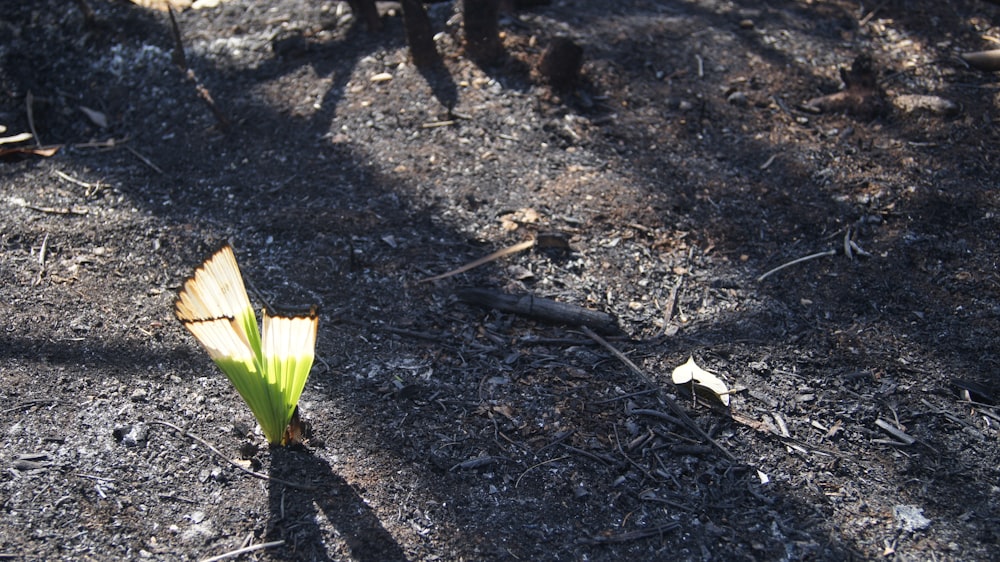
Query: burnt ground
[{"x": 682, "y": 167}]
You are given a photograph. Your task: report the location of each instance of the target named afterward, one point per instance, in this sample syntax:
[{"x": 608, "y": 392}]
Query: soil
[{"x": 684, "y": 164}]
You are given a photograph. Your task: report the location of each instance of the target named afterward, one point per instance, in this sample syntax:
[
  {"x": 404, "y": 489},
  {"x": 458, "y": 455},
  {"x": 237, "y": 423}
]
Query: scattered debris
[
  {"x": 861, "y": 96},
  {"x": 668, "y": 401}
]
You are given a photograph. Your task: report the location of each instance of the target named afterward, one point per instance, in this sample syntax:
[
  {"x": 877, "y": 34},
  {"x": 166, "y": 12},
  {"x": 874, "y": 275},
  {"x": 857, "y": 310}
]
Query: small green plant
[{"x": 268, "y": 367}]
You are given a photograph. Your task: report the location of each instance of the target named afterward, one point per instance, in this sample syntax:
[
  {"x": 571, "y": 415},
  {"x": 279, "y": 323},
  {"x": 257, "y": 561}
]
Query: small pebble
[
  {"x": 132, "y": 435},
  {"x": 738, "y": 98}
]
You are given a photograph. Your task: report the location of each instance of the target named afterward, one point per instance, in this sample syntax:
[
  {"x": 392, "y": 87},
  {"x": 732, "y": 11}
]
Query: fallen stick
[
  {"x": 244, "y": 550},
  {"x": 539, "y": 308}
]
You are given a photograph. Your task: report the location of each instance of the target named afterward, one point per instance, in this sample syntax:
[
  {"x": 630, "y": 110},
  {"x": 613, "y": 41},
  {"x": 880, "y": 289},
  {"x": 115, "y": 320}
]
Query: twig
[
  {"x": 767, "y": 163},
  {"x": 244, "y": 550},
  {"x": 73, "y": 180},
  {"x": 624, "y": 396},
  {"x": 864, "y": 21},
  {"x": 58, "y": 210},
  {"x": 219, "y": 454},
  {"x": 796, "y": 261},
  {"x": 951, "y": 417},
  {"x": 29, "y": 404},
  {"x": 492, "y": 257},
  {"x": 181, "y": 61},
  {"x": 175, "y": 30},
  {"x": 788, "y": 440},
  {"x": 655, "y": 414},
  {"x": 413, "y": 334},
  {"x": 14, "y": 139},
  {"x": 145, "y": 160},
  {"x": 587, "y": 454},
  {"x": 97, "y": 478},
  {"x": 633, "y": 535},
  {"x": 258, "y": 294},
  {"x": 670, "y": 402},
  {"x": 668, "y": 309},
  {"x": 29, "y": 101},
  {"x": 518, "y": 481},
  {"x": 109, "y": 143},
  {"x": 895, "y": 432},
  {"x": 435, "y": 124}
]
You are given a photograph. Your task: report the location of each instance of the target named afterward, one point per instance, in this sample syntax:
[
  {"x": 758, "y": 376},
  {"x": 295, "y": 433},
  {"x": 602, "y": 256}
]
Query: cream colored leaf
[
  {"x": 15, "y": 138},
  {"x": 96, "y": 117},
  {"x": 702, "y": 380}
]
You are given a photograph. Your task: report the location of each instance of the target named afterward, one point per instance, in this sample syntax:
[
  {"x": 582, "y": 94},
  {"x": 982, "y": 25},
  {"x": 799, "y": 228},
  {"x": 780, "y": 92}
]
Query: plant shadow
[{"x": 295, "y": 512}]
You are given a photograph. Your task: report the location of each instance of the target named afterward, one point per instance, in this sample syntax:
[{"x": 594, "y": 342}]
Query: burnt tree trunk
[
  {"x": 419, "y": 36},
  {"x": 482, "y": 33},
  {"x": 366, "y": 10},
  {"x": 560, "y": 63}
]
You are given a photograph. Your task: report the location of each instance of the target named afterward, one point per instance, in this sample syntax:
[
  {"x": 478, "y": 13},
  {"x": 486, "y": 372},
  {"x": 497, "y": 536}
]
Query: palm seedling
[{"x": 268, "y": 367}]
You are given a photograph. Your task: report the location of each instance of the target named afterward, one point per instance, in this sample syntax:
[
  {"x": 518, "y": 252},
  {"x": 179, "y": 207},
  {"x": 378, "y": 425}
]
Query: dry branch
[{"x": 539, "y": 308}]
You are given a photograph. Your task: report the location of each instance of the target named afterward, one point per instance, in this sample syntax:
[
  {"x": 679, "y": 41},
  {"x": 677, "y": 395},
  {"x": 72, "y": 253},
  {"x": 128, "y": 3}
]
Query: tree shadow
[
  {"x": 294, "y": 512},
  {"x": 442, "y": 84}
]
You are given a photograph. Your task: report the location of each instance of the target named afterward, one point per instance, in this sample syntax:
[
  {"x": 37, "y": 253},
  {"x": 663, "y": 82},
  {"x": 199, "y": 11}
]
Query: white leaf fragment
[
  {"x": 96, "y": 117},
  {"x": 763, "y": 477},
  {"x": 701, "y": 379},
  {"x": 15, "y": 138}
]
